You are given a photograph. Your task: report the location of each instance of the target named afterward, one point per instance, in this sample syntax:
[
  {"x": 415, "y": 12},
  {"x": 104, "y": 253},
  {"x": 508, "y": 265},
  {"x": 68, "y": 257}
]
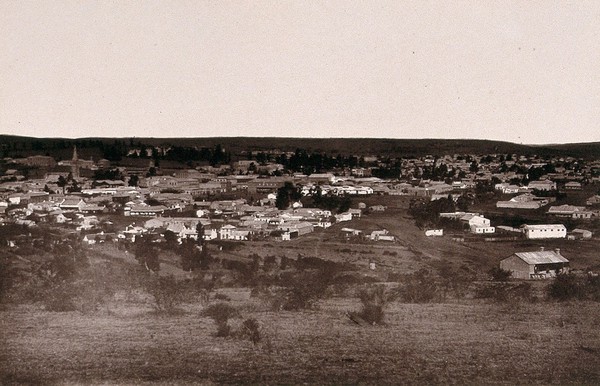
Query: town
[
  {"x": 259, "y": 198},
  {"x": 179, "y": 228}
]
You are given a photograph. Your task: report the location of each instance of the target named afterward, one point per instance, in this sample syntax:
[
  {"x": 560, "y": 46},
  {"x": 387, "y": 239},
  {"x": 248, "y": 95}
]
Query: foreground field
[{"x": 465, "y": 342}]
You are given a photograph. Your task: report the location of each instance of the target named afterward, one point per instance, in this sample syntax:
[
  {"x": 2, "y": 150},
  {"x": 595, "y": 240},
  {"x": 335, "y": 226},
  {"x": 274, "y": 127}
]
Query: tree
[
  {"x": 167, "y": 293},
  {"x": 474, "y": 168},
  {"x": 190, "y": 255},
  {"x": 133, "y": 180},
  {"x": 62, "y": 182},
  {"x": 74, "y": 187},
  {"x": 462, "y": 203},
  {"x": 170, "y": 239},
  {"x": 286, "y": 194},
  {"x": 344, "y": 205},
  {"x": 200, "y": 232},
  {"x": 146, "y": 254}
]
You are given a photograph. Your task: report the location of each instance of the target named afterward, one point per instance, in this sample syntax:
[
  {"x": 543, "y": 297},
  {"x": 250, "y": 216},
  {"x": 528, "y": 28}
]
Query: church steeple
[{"x": 75, "y": 163}]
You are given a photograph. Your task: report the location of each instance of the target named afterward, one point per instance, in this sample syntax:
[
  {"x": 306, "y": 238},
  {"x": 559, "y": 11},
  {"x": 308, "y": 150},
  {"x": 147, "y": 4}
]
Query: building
[
  {"x": 382, "y": 235},
  {"x": 580, "y": 234},
  {"x": 230, "y": 232},
  {"x": 594, "y": 200},
  {"x": 570, "y": 211},
  {"x": 542, "y": 185},
  {"x": 434, "y": 232},
  {"x": 77, "y": 164},
  {"x": 302, "y": 227},
  {"x": 545, "y": 231},
  {"x": 266, "y": 185},
  {"x": 144, "y": 210},
  {"x": 323, "y": 178},
  {"x": 573, "y": 185},
  {"x": 72, "y": 203},
  {"x": 523, "y": 201},
  {"x": 535, "y": 265},
  {"x": 38, "y": 161}
]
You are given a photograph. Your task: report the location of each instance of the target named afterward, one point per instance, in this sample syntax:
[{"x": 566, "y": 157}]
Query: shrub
[
  {"x": 302, "y": 290},
  {"x": 60, "y": 298},
  {"x": 566, "y": 287},
  {"x": 250, "y": 330},
  {"x": 419, "y": 287},
  {"x": 499, "y": 274},
  {"x": 454, "y": 280},
  {"x": 227, "y": 245},
  {"x": 505, "y": 292},
  {"x": 270, "y": 263},
  {"x": 374, "y": 301},
  {"x": 593, "y": 287},
  {"x": 284, "y": 262},
  {"x": 221, "y": 313},
  {"x": 219, "y": 296},
  {"x": 167, "y": 292},
  {"x": 58, "y": 279}
]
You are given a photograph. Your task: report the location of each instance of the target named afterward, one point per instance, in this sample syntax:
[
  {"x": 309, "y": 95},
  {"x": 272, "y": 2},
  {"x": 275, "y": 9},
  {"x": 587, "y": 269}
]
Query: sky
[{"x": 518, "y": 71}]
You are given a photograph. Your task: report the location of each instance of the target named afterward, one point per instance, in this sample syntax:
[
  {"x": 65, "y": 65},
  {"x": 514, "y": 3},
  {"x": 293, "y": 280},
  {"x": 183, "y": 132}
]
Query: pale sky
[{"x": 521, "y": 71}]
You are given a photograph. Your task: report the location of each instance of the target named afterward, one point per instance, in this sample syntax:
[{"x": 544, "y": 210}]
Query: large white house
[{"x": 545, "y": 231}]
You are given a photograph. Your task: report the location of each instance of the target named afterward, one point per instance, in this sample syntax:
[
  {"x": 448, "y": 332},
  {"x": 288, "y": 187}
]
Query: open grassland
[
  {"x": 118, "y": 335},
  {"x": 458, "y": 342}
]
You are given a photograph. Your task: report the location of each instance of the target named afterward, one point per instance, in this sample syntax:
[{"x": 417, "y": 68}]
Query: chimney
[
  {"x": 557, "y": 251},
  {"x": 541, "y": 249}
]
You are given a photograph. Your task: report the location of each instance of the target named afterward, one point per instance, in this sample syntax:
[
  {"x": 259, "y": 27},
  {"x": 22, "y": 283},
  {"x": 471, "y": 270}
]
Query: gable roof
[{"x": 541, "y": 257}]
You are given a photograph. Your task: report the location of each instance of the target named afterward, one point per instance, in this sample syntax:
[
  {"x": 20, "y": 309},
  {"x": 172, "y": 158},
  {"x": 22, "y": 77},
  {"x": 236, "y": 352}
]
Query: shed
[{"x": 535, "y": 265}]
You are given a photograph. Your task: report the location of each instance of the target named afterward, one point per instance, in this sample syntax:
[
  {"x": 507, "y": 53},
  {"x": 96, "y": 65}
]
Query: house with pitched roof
[
  {"x": 535, "y": 265},
  {"x": 570, "y": 211}
]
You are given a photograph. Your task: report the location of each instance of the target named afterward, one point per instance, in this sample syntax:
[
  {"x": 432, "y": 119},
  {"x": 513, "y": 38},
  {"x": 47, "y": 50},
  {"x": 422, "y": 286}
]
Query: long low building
[{"x": 545, "y": 231}]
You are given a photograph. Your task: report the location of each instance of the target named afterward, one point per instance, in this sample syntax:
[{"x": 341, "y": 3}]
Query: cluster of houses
[
  {"x": 480, "y": 225},
  {"x": 155, "y": 200}
]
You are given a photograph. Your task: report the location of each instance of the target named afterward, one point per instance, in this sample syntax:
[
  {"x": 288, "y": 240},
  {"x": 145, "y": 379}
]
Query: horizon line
[{"x": 300, "y": 138}]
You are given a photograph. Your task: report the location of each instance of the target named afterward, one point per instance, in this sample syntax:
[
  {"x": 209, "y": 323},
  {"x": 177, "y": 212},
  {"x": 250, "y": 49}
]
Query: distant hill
[{"x": 92, "y": 147}]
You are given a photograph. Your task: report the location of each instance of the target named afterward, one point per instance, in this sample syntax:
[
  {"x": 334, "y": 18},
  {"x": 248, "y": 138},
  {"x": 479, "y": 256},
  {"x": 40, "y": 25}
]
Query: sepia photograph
[{"x": 321, "y": 192}]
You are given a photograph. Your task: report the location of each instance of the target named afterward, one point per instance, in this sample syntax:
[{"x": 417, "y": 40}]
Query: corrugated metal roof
[
  {"x": 541, "y": 257},
  {"x": 544, "y": 226}
]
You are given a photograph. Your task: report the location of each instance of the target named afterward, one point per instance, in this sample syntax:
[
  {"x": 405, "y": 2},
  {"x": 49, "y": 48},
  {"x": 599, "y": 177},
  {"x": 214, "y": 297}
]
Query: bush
[
  {"x": 374, "y": 300},
  {"x": 58, "y": 279},
  {"x": 593, "y": 287},
  {"x": 499, "y": 274},
  {"x": 505, "y": 292},
  {"x": 302, "y": 290},
  {"x": 250, "y": 330},
  {"x": 167, "y": 292},
  {"x": 60, "y": 298},
  {"x": 221, "y": 313},
  {"x": 453, "y": 280},
  {"x": 566, "y": 287},
  {"x": 419, "y": 287},
  {"x": 219, "y": 296}
]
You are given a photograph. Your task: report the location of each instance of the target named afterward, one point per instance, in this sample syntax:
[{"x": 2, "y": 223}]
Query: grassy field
[
  {"x": 452, "y": 340},
  {"x": 458, "y": 342}
]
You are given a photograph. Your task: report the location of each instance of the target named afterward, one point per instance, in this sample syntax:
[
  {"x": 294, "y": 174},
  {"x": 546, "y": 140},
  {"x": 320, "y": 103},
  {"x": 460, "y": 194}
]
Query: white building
[
  {"x": 382, "y": 235},
  {"x": 434, "y": 232},
  {"x": 545, "y": 231}
]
